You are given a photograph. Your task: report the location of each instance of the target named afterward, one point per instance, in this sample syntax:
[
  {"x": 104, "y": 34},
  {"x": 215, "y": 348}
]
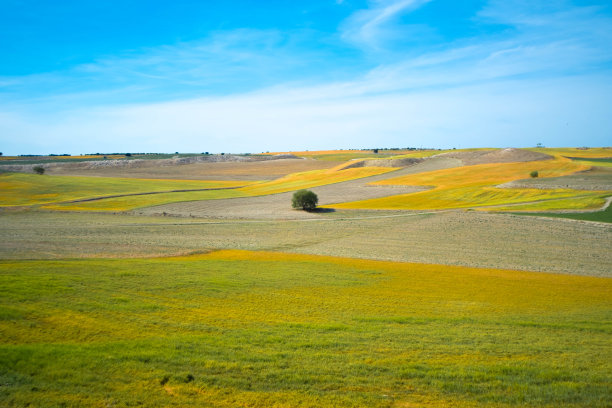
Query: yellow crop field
[
  {"x": 345, "y": 155},
  {"x": 17, "y": 189},
  {"x": 474, "y": 186},
  {"x": 321, "y": 152},
  {"x": 126, "y": 203},
  {"x": 593, "y": 152},
  {"x": 311, "y": 179},
  {"x": 266, "y": 329}
]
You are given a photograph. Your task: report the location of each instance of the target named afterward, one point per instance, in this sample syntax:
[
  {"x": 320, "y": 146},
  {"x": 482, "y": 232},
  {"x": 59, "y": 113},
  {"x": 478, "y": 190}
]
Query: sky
[{"x": 238, "y": 76}]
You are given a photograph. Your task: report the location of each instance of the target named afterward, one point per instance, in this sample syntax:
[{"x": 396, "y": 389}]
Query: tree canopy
[{"x": 304, "y": 199}]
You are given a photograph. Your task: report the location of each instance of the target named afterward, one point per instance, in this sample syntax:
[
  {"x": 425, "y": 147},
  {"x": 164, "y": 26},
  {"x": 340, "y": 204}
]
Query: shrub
[
  {"x": 534, "y": 174},
  {"x": 304, "y": 199},
  {"x": 39, "y": 169}
]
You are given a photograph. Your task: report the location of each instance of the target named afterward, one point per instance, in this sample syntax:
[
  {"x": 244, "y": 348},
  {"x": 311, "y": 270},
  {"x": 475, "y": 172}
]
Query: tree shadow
[{"x": 322, "y": 210}]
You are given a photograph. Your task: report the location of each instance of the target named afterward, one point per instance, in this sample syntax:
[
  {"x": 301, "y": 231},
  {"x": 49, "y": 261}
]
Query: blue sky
[{"x": 81, "y": 76}]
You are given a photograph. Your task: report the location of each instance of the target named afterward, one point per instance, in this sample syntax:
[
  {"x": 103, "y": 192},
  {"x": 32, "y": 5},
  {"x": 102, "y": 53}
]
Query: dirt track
[{"x": 278, "y": 206}]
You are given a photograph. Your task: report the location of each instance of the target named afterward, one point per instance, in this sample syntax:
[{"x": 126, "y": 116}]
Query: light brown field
[
  {"x": 450, "y": 238},
  {"x": 485, "y": 156},
  {"x": 257, "y": 170}
]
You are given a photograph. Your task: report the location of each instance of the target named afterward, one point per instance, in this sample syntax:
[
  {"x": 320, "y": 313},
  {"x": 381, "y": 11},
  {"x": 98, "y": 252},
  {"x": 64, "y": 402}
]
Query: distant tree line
[
  {"x": 41, "y": 155},
  {"x": 398, "y": 148}
]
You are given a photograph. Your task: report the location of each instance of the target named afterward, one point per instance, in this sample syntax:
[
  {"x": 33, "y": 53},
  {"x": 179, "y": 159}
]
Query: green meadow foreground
[
  {"x": 428, "y": 281},
  {"x": 236, "y": 328}
]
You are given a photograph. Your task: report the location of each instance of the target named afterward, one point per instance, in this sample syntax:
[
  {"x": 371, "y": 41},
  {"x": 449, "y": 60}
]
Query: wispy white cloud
[
  {"x": 502, "y": 113},
  {"x": 224, "y": 62},
  {"x": 375, "y": 27}
]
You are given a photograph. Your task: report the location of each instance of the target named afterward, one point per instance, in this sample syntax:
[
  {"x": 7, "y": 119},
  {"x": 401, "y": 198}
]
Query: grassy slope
[
  {"x": 473, "y": 186},
  {"x": 599, "y": 216},
  {"x": 591, "y": 202},
  {"x": 17, "y": 189},
  {"x": 252, "y": 329},
  {"x": 600, "y": 162}
]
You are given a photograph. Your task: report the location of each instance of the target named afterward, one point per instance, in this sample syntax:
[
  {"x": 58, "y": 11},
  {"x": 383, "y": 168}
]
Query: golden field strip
[
  {"x": 311, "y": 179},
  {"x": 475, "y": 186},
  {"x": 260, "y": 329}
]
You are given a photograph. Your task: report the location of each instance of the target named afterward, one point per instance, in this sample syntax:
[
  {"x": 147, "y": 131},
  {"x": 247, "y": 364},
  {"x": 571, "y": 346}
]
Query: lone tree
[
  {"x": 304, "y": 199},
  {"x": 39, "y": 170},
  {"x": 534, "y": 174}
]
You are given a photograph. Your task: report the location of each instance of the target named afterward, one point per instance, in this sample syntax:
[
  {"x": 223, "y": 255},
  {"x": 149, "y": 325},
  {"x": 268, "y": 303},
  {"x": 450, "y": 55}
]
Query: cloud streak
[{"x": 375, "y": 27}]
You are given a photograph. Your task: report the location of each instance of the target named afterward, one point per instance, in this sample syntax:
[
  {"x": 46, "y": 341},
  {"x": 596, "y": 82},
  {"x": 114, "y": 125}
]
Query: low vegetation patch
[{"x": 236, "y": 328}]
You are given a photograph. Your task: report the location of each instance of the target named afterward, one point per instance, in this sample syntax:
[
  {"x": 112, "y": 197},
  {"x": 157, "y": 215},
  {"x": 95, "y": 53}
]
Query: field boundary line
[
  {"x": 82, "y": 200},
  {"x": 233, "y": 221}
]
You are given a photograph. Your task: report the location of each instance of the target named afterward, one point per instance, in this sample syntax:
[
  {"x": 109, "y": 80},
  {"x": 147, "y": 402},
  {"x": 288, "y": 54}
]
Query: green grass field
[
  {"x": 252, "y": 329},
  {"x": 598, "y": 216},
  {"x": 599, "y": 162}
]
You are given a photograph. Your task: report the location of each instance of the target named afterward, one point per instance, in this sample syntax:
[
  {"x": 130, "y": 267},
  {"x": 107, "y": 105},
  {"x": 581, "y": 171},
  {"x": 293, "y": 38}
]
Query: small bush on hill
[
  {"x": 39, "y": 169},
  {"x": 304, "y": 199},
  {"x": 534, "y": 174}
]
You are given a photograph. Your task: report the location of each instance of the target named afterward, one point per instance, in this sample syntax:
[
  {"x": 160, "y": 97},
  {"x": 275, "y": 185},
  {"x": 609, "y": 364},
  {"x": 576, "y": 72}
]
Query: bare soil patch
[
  {"x": 385, "y": 162},
  {"x": 508, "y": 155},
  {"x": 452, "y": 238}
]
